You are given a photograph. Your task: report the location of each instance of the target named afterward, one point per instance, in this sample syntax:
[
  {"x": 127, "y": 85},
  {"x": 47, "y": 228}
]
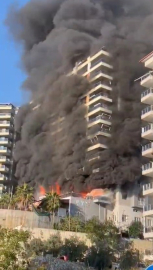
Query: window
[
  {"x": 138, "y": 219},
  {"x": 124, "y": 218},
  {"x": 124, "y": 195},
  {"x": 149, "y": 223}
]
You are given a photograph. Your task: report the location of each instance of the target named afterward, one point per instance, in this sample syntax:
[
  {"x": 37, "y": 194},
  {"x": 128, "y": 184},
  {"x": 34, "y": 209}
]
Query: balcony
[
  {"x": 96, "y": 146},
  {"x": 6, "y": 107},
  {"x": 148, "y": 189},
  {"x": 147, "y": 132},
  {"x": 147, "y": 80},
  {"x": 4, "y": 159},
  {"x": 147, "y": 114},
  {"x": 4, "y": 141},
  {"x": 148, "y": 233},
  {"x": 5, "y": 124},
  {"x": 6, "y": 133},
  {"x": 3, "y": 168},
  {"x": 147, "y": 169},
  {"x": 3, "y": 177},
  {"x": 104, "y": 119},
  {"x": 99, "y": 97},
  {"x": 4, "y": 150},
  {"x": 104, "y": 131},
  {"x": 100, "y": 85},
  {"x": 99, "y": 64},
  {"x": 149, "y": 62},
  {"x": 103, "y": 76},
  {"x": 148, "y": 210},
  {"x": 100, "y": 107},
  {"x": 5, "y": 115},
  {"x": 94, "y": 156},
  {"x": 147, "y": 150},
  {"x": 147, "y": 96}
]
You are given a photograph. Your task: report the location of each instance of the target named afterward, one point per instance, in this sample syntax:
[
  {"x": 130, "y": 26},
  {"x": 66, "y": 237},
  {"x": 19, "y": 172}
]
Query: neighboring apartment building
[
  {"x": 7, "y": 140},
  {"x": 147, "y": 148},
  {"x": 97, "y": 69}
]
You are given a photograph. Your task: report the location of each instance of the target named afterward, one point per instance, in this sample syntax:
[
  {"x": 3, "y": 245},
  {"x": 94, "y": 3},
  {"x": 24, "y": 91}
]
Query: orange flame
[
  {"x": 42, "y": 190},
  {"x": 55, "y": 188},
  {"x": 96, "y": 193}
]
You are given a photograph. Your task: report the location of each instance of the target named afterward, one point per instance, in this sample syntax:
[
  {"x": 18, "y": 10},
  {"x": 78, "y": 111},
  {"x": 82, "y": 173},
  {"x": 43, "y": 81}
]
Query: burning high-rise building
[{"x": 55, "y": 34}]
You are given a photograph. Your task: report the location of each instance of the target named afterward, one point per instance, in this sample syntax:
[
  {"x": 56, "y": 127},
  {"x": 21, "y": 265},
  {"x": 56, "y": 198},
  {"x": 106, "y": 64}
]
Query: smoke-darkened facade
[{"x": 54, "y": 35}]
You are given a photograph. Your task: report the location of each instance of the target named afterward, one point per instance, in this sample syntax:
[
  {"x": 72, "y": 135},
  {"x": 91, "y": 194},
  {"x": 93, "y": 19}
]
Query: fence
[{"x": 30, "y": 220}]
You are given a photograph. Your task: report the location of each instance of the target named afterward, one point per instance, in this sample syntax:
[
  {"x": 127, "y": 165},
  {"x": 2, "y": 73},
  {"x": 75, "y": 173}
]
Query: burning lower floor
[{"x": 119, "y": 206}]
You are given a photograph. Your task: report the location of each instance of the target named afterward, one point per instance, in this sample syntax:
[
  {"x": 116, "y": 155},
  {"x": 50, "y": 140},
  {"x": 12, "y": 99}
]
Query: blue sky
[{"x": 11, "y": 77}]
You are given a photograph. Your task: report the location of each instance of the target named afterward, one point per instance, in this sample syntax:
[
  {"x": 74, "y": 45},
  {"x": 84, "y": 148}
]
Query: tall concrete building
[
  {"x": 97, "y": 69},
  {"x": 146, "y": 81},
  {"x": 7, "y": 140}
]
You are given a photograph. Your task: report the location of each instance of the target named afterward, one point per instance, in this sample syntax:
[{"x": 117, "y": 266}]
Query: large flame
[
  {"x": 55, "y": 188},
  {"x": 96, "y": 193}
]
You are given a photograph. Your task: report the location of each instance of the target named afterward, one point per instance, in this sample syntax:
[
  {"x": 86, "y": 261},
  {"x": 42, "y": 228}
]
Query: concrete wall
[
  {"x": 44, "y": 234},
  {"x": 86, "y": 209},
  {"x": 15, "y": 218}
]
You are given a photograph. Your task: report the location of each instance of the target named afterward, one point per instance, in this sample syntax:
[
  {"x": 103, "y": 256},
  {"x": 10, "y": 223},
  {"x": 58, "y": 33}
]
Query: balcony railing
[
  {"x": 3, "y": 177},
  {"x": 147, "y": 109},
  {"x": 94, "y": 156},
  {"x": 4, "y": 167},
  {"x": 147, "y": 146},
  {"x": 4, "y": 130},
  {"x": 148, "y": 207},
  {"x": 99, "y": 95},
  {"x": 146, "y": 128},
  {"x": 5, "y": 159},
  {"x": 93, "y": 64},
  {"x": 148, "y": 230},
  {"x": 103, "y": 129},
  {"x": 148, "y": 186},
  {"x": 100, "y": 117},
  {"x": 3, "y": 139},
  {"x": 147, "y": 166},
  {"x": 5, "y": 114},
  {"x": 98, "y": 106},
  {"x": 147, "y": 92}
]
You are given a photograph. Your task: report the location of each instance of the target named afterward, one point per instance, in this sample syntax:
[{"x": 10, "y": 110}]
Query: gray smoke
[{"x": 54, "y": 35}]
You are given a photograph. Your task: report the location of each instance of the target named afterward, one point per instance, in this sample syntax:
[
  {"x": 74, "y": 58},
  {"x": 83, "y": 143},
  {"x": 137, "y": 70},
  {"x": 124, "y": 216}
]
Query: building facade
[
  {"x": 97, "y": 69},
  {"x": 146, "y": 81},
  {"x": 7, "y": 141}
]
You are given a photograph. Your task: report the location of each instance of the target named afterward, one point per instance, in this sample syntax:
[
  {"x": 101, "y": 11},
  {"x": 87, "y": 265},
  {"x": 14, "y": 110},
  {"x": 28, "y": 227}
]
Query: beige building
[
  {"x": 128, "y": 207},
  {"x": 146, "y": 81},
  {"x": 7, "y": 140}
]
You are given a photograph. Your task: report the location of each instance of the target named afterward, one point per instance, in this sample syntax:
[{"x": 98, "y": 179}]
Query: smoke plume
[{"x": 52, "y": 129}]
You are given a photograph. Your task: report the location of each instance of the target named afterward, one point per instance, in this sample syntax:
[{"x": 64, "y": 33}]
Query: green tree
[
  {"x": 53, "y": 245},
  {"x": 128, "y": 259},
  {"x": 24, "y": 195},
  {"x": 99, "y": 257},
  {"x": 36, "y": 246},
  {"x": 136, "y": 229},
  {"x": 51, "y": 203},
  {"x": 12, "y": 249},
  {"x": 5, "y": 200},
  {"x": 73, "y": 224},
  {"x": 106, "y": 233},
  {"x": 74, "y": 249}
]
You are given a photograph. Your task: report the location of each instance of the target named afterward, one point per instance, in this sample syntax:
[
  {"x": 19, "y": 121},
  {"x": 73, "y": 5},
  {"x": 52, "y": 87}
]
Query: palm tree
[
  {"x": 5, "y": 200},
  {"x": 51, "y": 203},
  {"x": 24, "y": 195}
]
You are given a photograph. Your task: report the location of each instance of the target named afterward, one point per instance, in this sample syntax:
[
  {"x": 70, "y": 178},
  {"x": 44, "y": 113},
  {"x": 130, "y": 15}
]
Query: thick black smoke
[{"x": 54, "y": 35}]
